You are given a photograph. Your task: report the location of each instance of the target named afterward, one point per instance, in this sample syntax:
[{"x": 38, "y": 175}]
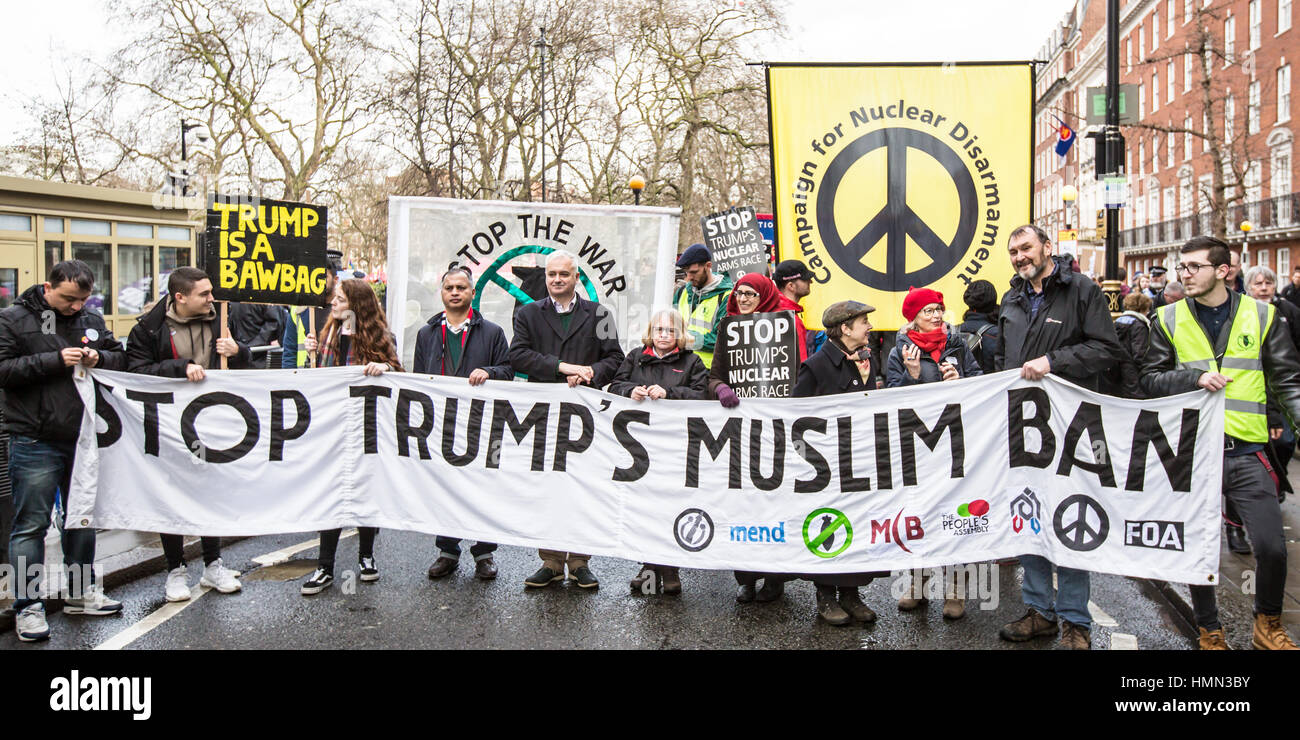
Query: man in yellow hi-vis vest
[
  {"x": 702, "y": 301},
  {"x": 1219, "y": 340}
]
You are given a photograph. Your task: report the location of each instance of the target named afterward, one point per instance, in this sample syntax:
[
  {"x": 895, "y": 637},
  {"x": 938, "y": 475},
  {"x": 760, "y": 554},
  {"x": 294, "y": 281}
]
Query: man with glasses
[
  {"x": 1053, "y": 320},
  {"x": 1219, "y": 340}
]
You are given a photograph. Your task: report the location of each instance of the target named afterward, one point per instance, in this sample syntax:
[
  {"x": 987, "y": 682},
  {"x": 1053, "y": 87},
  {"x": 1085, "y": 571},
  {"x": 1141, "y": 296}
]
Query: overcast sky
[{"x": 48, "y": 39}]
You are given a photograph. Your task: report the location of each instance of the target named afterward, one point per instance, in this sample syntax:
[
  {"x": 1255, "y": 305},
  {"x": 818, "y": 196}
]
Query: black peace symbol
[
  {"x": 897, "y": 220},
  {"x": 1079, "y": 534}
]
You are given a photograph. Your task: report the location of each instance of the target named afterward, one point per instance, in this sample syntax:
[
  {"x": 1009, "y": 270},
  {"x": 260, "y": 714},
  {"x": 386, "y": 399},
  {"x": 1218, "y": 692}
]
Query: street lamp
[
  {"x": 1069, "y": 194},
  {"x": 1245, "y": 227},
  {"x": 183, "y": 177},
  {"x": 637, "y": 184},
  {"x": 542, "y": 46}
]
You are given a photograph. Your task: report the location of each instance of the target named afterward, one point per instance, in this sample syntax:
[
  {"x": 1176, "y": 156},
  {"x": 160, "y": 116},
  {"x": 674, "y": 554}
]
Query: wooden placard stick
[
  {"x": 225, "y": 331},
  {"x": 311, "y": 331}
]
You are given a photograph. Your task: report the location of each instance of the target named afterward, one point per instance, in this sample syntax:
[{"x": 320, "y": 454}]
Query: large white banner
[
  {"x": 958, "y": 472},
  {"x": 625, "y": 258}
]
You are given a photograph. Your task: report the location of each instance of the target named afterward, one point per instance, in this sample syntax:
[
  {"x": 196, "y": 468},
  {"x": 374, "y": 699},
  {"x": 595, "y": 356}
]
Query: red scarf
[{"x": 932, "y": 342}]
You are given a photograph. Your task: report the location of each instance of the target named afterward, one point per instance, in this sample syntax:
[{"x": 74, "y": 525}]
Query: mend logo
[
  {"x": 106, "y": 694},
  {"x": 898, "y": 530},
  {"x": 754, "y": 533}
]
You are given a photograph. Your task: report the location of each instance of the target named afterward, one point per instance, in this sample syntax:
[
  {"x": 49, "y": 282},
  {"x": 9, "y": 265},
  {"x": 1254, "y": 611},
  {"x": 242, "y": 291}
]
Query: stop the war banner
[
  {"x": 625, "y": 258},
  {"x": 891, "y": 177},
  {"x": 958, "y": 472}
]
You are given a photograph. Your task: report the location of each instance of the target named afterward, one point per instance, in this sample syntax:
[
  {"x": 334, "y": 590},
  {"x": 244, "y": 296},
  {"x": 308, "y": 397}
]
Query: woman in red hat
[{"x": 928, "y": 350}]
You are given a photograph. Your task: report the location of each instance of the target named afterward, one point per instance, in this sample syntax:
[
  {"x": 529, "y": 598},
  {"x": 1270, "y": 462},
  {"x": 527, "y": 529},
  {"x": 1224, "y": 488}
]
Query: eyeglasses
[
  {"x": 933, "y": 311},
  {"x": 747, "y": 294},
  {"x": 1191, "y": 268},
  {"x": 665, "y": 330}
]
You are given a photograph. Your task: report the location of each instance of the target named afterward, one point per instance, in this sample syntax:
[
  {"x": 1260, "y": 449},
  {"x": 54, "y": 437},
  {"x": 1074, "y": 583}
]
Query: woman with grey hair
[{"x": 664, "y": 367}]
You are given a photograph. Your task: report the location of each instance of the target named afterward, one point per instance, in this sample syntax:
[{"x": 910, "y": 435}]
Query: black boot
[{"x": 1237, "y": 540}]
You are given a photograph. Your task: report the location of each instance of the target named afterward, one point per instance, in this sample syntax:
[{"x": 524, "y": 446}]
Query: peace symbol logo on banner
[
  {"x": 1080, "y": 523},
  {"x": 896, "y": 221}
]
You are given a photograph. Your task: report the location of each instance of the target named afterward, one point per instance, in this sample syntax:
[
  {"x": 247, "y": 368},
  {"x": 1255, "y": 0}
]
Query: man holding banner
[
  {"x": 702, "y": 299},
  {"x": 564, "y": 339},
  {"x": 181, "y": 338},
  {"x": 1053, "y": 320},
  {"x": 1251, "y": 356}
]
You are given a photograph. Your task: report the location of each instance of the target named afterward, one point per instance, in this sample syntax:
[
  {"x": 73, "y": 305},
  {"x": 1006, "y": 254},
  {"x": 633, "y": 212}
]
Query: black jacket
[
  {"x": 40, "y": 398},
  {"x": 1073, "y": 327},
  {"x": 255, "y": 324},
  {"x": 150, "y": 350},
  {"x": 955, "y": 351},
  {"x": 827, "y": 372},
  {"x": 681, "y": 374},
  {"x": 485, "y": 347},
  {"x": 540, "y": 343},
  {"x": 1161, "y": 375},
  {"x": 1291, "y": 292},
  {"x": 986, "y": 349},
  {"x": 1133, "y": 331}
]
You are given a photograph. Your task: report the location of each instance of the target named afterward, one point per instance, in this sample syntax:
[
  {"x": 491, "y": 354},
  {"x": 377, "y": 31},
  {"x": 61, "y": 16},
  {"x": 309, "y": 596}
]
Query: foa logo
[{"x": 899, "y": 530}]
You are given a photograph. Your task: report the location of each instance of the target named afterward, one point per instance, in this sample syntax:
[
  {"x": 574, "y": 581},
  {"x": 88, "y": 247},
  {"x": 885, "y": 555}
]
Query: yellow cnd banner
[{"x": 888, "y": 177}]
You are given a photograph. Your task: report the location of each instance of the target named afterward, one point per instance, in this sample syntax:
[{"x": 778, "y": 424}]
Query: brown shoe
[
  {"x": 954, "y": 608},
  {"x": 1213, "y": 640},
  {"x": 1028, "y": 627},
  {"x": 910, "y": 600},
  {"x": 829, "y": 609},
  {"x": 852, "y": 603},
  {"x": 442, "y": 566},
  {"x": 672, "y": 579},
  {"x": 1270, "y": 635},
  {"x": 1074, "y": 637},
  {"x": 647, "y": 577},
  {"x": 485, "y": 569}
]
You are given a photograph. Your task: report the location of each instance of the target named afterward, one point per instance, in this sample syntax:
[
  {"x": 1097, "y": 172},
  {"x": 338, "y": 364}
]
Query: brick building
[{"x": 1248, "y": 109}]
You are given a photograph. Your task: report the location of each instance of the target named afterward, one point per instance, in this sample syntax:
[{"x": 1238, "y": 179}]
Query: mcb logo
[
  {"x": 1025, "y": 508},
  {"x": 899, "y": 530}
]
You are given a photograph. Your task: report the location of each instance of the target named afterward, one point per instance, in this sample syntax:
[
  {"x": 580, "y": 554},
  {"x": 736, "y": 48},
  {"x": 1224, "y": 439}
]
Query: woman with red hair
[{"x": 356, "y": 333}]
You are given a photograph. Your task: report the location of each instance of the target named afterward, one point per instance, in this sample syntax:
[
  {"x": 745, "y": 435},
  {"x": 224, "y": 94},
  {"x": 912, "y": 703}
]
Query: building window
[
  {"x": 1284, "y": 93},
  {"x": 169, "y": 258},
  {"x": 1187, "y": 72},
  {"x": 87, "y": 226},
  {"x": 1142, "y": 101},
  {"x": 1265, "y": 259},
  {"x": 174, "y": 233},
  {"x": 135, "y": 231},
  {"x": 15, "y": 222},
  {"x": 1142, "y": 157},
  {"x": 1283, "y": 265},
  {"x": 1142, "y": 43},
  {"x": 1155, "y": 29},
  {"x": 1155, "y": 153},
  {"x": 53, "y": 255},
  {"x": 1256, "y": 20},
  {"x": 1205, "y": 131},
  {"x": 1229, "y": 112},
  {"x": 1229, "y": 39},
  {"x": 1169, "y": 69},
  {"x": 1169, "y": 5},
  {"x": 54, "y": 225},
  {"x": 135, "y": 277},
  {"x": 1187, "y": 11},
  {"x": 1128, "y": 54},
  {"x": 96, "y": 256},
  {"x": 1171, "y": 207},
  {"x": 1283, "y": 15},
  {"x": 1169, "y": 148},
  {"x": 1155, "y": 91},
  {"x": 1187, "y": 138},
  {"x": 1252, "y": 108}
]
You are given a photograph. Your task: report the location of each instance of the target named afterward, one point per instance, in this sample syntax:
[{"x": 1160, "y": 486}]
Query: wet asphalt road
[{"x": 404, "y": 609}]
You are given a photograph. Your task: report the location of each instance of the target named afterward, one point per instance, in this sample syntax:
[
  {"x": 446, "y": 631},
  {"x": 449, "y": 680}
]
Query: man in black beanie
[{"x": 979, "y": 325}]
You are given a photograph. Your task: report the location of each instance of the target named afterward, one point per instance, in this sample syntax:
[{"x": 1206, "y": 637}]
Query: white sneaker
[
  {"x": 30, "y": 623},
  {"x": 93, "y": 603},
  {"x": 217, "y": 575},
  {"x": 178, "y": 584}
]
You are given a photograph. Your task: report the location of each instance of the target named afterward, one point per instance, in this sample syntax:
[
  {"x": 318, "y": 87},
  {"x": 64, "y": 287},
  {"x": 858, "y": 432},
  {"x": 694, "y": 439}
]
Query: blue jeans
[
  {"x": 39, "y": 470},
  {"x": 1071, "y": 602}
]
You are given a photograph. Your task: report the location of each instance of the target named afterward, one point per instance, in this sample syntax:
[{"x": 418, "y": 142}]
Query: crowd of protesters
[{"x": 1052, "y": 319}]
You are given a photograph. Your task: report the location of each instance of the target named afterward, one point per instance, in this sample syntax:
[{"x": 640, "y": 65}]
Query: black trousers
[
  {"x": 174, "y": 549},
  {"x": 451, "y": 546},
  {"x": 1249, "y": 488},
  {"x": 329, "y": 545}
]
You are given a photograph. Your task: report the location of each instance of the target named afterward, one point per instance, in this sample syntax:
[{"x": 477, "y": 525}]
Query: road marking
[
  {"x": 1100, "y": 617},
  {"x": 147, "y": 625},
  {"x": 280, "y": 556},
  {"x": 165, "y": 612},
  {"x": 1121, "y": 641}
]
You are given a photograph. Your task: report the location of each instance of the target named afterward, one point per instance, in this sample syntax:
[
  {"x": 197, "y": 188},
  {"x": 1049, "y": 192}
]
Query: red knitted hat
[{"x": 919, "y": 298}]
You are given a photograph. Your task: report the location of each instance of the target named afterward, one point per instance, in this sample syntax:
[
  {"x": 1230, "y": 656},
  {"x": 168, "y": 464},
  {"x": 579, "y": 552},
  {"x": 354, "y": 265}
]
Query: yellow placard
[{"x": 890, "y": 177}]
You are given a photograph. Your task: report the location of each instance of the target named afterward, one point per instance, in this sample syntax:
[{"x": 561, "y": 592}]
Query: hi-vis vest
[
  {"x": 1245, "y": 417},
  {"x": 700, "y": 321},
  {"x": 302, "y": 338}
]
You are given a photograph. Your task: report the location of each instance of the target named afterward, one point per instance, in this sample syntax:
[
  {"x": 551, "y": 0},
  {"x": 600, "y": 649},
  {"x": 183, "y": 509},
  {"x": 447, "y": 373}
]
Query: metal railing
[{"x": 1265, "y": 215}]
